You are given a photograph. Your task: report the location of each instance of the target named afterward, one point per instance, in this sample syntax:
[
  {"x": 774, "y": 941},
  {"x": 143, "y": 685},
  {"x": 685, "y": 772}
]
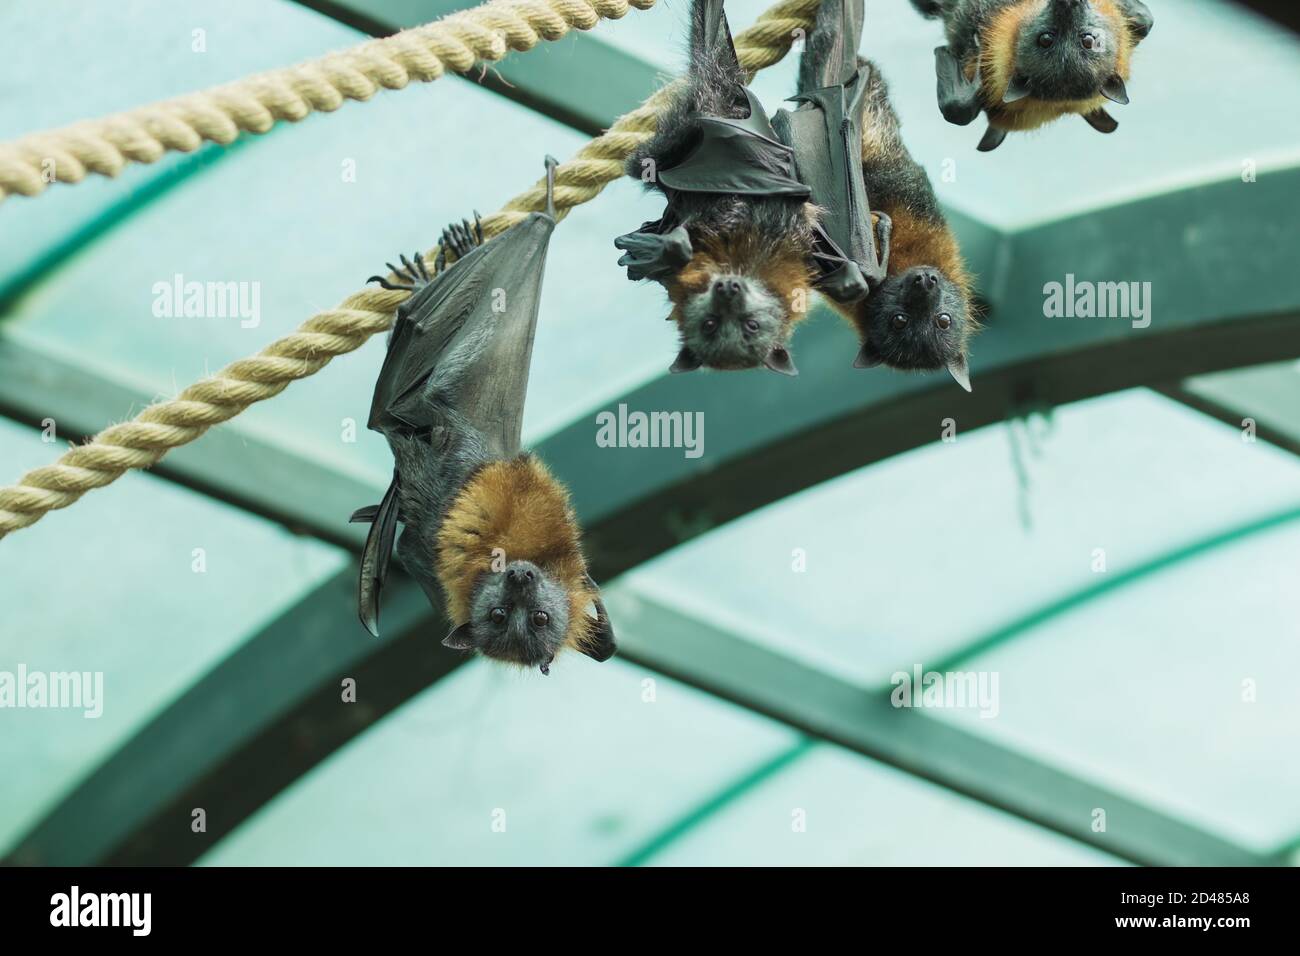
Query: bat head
[
  {"x": 1071, "y": 50},
  {"x": 736, "y": 301},
  {"x": 519, "y": 615},
  {"x": 917, "y": 320}
]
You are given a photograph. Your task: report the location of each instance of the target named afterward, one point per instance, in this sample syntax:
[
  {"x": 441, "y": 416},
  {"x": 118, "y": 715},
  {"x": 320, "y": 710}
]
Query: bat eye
[
  {"x": 1045, "y": 40},
  {"x": 709, "y": 325},
  {"x": 498, "y": 616},
  {"x": 1090, "y": 41},
  {"x": 945, "y": 321},
  {"x": 900, "y": 321},
  {"x": 751, "y": 325},
  {"x": 540, "y": 618}
]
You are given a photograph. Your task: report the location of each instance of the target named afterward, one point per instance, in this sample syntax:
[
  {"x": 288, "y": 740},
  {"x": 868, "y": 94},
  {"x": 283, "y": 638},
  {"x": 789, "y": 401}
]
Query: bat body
[
  {"x": 920, "y": 317},
  {"x": 487, "y": 531},
  {"x": 758, "y": 213},
  {"x": 740, "y": 283},
  {"x": 1025, "y": 63}
]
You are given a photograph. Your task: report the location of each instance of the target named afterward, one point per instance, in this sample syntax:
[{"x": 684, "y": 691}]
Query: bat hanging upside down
[
  {"x": 921, "y": 316},
  {"x": 759, "y": 213},
  {"x": 1028, "y": 62},
  {"x": 488, "y": 532}
]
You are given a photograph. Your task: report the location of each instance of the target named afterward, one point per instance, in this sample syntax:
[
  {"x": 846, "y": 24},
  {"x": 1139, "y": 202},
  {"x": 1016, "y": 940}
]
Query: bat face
[
  {"x": 519, "y": 615},
  {"x": 735, "y": 302},
  {"x": 735, "y": 322},
  {"x": 1069, "y": 51},
  {"x": 917, "y": 320}
]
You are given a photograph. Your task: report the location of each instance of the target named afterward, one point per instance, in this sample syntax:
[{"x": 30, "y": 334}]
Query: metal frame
[{"x": 776, "y": 437}]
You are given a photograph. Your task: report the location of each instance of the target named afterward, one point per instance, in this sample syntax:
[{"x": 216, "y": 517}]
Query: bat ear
[
  {"x": 778, "y": 360},
  {"x": 959, "y": 370},
  {"x": 460, "y": 638},
  {"x": 1115, "y": 91},
  {"x": 1017, "y": 90},
  {"x": 686, "y": 361},
  {"x": 993, "y": 138},
  {"x": 1101, "y": 121},
  {"x": 601, "y": 644},
  {"x": 868, "y": 357}
]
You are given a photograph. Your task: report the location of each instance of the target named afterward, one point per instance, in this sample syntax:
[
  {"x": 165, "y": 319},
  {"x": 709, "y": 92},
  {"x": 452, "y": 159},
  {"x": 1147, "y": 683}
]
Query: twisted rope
[
  {"x": 254, "y": 104},
  {"x": 143, "y": 441}
]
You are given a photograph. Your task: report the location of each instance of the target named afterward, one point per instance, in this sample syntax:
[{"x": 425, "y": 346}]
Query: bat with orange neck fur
[
  {"x": 1025, "y": 63},
  {"x": 488, "y": 533}
]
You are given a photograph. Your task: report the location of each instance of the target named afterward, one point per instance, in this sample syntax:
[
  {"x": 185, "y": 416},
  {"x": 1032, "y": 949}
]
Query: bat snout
[{"x": 522, "y": 577}]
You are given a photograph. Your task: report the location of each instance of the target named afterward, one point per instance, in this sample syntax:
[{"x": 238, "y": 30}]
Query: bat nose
[
  {"x": 521, "y": 575},
  {"x": 726, "y": 288},
  {"x": 927, "y": 279}
]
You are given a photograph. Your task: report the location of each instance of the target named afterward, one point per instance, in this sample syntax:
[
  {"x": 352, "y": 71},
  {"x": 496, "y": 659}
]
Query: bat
[
  {"x": 921, "y": 318},
  {"x": 487, "y": 531},
  {"x": 758, "y": 212},
  {"x": 1026, "y": 63}
]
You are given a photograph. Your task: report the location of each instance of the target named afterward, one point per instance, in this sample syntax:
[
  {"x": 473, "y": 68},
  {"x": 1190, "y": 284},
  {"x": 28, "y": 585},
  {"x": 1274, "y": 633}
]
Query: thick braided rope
[
  {"x": 144, "y": 440},
  {"x": 254, "y": 104}
]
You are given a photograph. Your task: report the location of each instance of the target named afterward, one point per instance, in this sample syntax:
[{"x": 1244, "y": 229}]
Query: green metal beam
[
  {"x": 771, "y": 437},
  {"x": 555, "y": 79},
  {"x": 1114, "y": 581},
  {"x": 246, "y": 730},
  {"x": 1285, "y": 12},
  {"x": 1268, "y": 395},
  {"x": 229, "y": 463},
  {"x": 700, "y": 815},
  {"x": 826, "y": 707}
]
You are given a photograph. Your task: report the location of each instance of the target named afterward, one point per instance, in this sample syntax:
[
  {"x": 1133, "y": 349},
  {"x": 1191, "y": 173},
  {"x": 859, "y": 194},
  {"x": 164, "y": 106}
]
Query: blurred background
[{"x": 1108, "y": 527}]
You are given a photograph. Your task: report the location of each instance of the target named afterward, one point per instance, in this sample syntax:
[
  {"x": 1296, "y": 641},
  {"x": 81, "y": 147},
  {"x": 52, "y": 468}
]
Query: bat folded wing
[{"x": 465, "y": 340}]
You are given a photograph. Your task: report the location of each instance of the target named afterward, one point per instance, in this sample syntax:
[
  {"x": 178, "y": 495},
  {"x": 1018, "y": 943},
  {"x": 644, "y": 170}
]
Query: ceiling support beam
[{"x": 829, "y": 708}]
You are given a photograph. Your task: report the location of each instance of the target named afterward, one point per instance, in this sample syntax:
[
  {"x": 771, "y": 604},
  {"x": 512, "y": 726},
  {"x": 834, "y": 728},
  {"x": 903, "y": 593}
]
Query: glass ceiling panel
[
  {"x": 278, "y": 216},
  {"x": 581, "y": 767},
  {"x": 1177, "y": 689},
  {"x": 67, "y": 39},
  {"x": 855, "y": 812},
  {"x": 917, "y": 556},
  {"x": 1268, "y": 393},
  {"x": 88, "y": 590}
]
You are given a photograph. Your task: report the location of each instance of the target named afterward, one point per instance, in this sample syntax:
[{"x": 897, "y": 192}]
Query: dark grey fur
[{"x": 750, "y": 328}]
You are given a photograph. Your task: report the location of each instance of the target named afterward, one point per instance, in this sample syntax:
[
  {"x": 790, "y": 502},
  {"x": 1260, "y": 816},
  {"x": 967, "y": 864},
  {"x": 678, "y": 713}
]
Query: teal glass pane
[
  {"x": 833, "y": 808},
  {"x": 581, "y": 767},
  {"x": 1267, "y": 396},
  {"x": 66, "y": 39},
  {"x": 915, "y": 557},
  {"x": 144, "y": 582},
  {"x": 1175, "y": 688}
]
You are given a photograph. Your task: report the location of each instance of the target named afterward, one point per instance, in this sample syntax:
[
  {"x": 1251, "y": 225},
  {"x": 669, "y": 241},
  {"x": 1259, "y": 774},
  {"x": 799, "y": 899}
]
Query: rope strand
[
  {"x": 255, "y": 103},
  {"x": 161, "y": 427}
]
